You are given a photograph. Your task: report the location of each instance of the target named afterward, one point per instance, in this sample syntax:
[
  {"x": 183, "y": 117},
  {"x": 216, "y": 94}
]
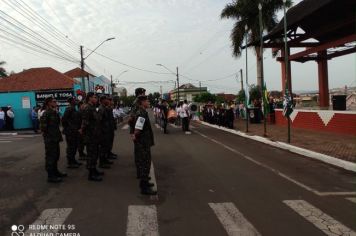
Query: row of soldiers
[
  {"x": 90, "y": 124},
  {"x": 93, "y": 125}
]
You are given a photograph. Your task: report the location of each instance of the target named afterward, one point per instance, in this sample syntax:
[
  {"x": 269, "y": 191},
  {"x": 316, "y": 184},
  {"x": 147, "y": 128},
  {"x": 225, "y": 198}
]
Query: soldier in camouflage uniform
[
  {"x": 71, "y": 122},
  {"x": 52, "y": 136},
  {"x": 92, "y": 132},
  {"x": 106, "y": 133},
  {"x": 81, "y": 146},
  {"x": 132, "y": 119},
  {"x": 143, "y": 141}
]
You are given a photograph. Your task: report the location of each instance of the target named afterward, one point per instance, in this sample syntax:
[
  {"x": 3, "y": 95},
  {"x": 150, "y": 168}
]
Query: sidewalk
[{"x": 336, "y": 145}]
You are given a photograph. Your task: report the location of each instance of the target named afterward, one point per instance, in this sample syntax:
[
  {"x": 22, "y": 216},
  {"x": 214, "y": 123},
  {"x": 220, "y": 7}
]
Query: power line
[
  {"x": 36, "y": 36},
  {"x": 132, "y": 67},
  {"x": 37, "y": 21},
  {"x": 65, "y": 37}
]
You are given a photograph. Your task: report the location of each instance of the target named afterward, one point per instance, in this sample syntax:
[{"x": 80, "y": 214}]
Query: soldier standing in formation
[
  {"x": 143, "y": 141},
  {"x": 106, "y": 126},
  {"x": 132, "y": 119},
  {"x": 71, "y": 122},
  {"x": 81, "y": 146},
  {"x": 52, "y": 136},
  {"x": 113, "y": 127},
  {"x": 92, "y": 132}
]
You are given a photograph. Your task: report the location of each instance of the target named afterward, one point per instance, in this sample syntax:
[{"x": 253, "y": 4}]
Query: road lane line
[
  {"x": 352, "y": 199},
  {"x": 153, "y": 177},
  {"x": 276, "y": 171},
  {"x": 49, "y": 218},
  {"x": 233, "y": 220},
  {"x": 319, "y": 219},
  {"x": 142, "y": 220},
  {"x": 126, "y": 126}
]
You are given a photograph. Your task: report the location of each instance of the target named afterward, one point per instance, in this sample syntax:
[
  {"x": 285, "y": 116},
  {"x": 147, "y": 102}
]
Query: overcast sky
[{"x": 184, "y": 33}]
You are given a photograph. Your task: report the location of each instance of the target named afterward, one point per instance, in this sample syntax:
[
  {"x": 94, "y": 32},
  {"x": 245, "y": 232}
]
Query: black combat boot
[
  {"x": 145, "y": 183},
  {"x": 52, "y": 178},
  {"x": 60, "y": 174},
  {"x": 148, "y": 191},
  {"x": 93, "y": 176},
  {"x": 98, "y": 172}
]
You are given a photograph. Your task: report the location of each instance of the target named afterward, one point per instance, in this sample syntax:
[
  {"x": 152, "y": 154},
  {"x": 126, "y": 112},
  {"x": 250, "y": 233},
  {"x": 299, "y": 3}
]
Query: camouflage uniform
[
  {"x": 71, "y": 122},
  {"x": 143, "y": 143},
  {"x": 81, "y": 144},
  {"x": 52, "y": 136},
  {"x": 92, "y": 133},
  {"x": 105, "y": 144}
]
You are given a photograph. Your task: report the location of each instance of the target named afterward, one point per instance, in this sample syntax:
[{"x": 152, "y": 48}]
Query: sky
[{"x": 188, "y": 34}]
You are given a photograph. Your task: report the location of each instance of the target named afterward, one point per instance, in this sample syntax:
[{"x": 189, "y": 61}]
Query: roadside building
[
  {"x": 29, "y": 88},
  {"x": 187, "y": 92}
]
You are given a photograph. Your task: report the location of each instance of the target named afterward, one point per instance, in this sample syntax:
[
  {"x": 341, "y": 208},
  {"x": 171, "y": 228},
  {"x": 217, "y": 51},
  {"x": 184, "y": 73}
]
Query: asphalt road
[{"x": 209, "y": 183}]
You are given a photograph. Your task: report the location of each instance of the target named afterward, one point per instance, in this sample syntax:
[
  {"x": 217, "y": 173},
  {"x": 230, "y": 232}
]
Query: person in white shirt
[
  {"x": 185, "y": 116},
  {"x": 11, "y": 116},
  {"x": 116, "y": 114},
  {"x": 2, "y": 119}
]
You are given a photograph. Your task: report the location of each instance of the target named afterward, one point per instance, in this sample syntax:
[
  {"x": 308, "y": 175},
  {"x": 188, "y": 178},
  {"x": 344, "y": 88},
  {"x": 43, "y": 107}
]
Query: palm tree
[
  {"x": 2, "y": 69},
  {"x": 245, "y": 12}
]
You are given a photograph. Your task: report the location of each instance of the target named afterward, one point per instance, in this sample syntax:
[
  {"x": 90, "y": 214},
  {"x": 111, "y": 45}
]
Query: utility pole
[
  {"x": 160, "y": 89},
  {"x": 112, "y": 85},
  {"x": 178, "y": 84},
  {"x": 200, "y": 87},
  {"x": 242, "y": 80},
  {"x": 82, "y": 67},
  {"x": 262, "y": 76}
]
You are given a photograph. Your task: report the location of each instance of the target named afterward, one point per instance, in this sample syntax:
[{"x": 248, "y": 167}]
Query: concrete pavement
[{"x": 209, "y": 183}]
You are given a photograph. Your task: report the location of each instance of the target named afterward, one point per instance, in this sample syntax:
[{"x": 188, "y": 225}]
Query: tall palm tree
[
  {"x": 245, "y": 12},
  {"x": 2, "y": 69}
]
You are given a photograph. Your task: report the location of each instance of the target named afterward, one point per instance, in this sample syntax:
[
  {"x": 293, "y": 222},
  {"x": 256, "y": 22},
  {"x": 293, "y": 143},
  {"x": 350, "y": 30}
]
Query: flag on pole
[
  {"x": 265, "y": 99},
  {"x": 287, "y": 104}
]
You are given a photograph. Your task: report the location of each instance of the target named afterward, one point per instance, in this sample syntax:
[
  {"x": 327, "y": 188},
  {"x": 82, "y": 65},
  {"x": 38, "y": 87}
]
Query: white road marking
[
  {"x": 142, "y": 220},
  {"x": 318, "y": 218},
  {"x": 174, "y": 126},
  {"x": 352, "y": 199},
  {"x": 157, "y": 126},
  {"x": 153, "y": 177},
  {"x": 276, "y": 171},
  {"x": 48, "y": 220},
  {"x": 126, "y": 126},
  {"x": 5, "y": 141},
  {"x": 233, "y": 220}
]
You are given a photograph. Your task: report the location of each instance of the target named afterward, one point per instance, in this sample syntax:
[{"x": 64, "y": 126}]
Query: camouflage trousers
[
  {"x": 142, "y": 161},
  {"x": 92, "y": 154},
  {"x": 52, "y": 153},
  {"x": 72, "y": 147}
]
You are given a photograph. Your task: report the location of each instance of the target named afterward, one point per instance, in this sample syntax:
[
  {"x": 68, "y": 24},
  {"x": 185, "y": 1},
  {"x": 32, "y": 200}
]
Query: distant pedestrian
[
  {"x": 2, "y": 119},
  {"x": 10, "y": 118},
  {"x": 34, "y": 119},
  {"x": 52, "y": 136},
  {"x": 164, "y": 115},
  {"x": 185, "y": 117}
]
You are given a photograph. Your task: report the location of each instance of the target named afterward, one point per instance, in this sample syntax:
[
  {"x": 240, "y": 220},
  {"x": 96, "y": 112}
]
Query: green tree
[
  {"x": 2, "y": 69},
  {"x": 245, "y": 12},
  {"x": 241, "y": 96},
  {"x": 205, "y": 98},
  {"x": 255, "y": 93}
]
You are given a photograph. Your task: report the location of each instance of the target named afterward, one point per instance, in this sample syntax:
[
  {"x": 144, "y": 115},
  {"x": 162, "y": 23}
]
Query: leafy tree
[
  {"x": 205, "y": 98},
  {"x": 245, "y": 12},
  {"x": 2, "y": 69},
  {"x": 241, "y": 96},
  {"x": 255, "y": 92}
]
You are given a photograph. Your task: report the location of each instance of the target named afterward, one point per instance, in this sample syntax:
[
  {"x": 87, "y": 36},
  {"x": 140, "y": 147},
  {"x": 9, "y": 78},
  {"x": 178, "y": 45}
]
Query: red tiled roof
[
  {"x": 36, "y": 79},
  {"x": 77, "y": 73}
]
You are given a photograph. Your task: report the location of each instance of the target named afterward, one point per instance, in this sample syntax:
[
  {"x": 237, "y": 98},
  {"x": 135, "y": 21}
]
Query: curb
[
  {"x": 301, "y": 151},
  {"x": 8, "y": 134}
]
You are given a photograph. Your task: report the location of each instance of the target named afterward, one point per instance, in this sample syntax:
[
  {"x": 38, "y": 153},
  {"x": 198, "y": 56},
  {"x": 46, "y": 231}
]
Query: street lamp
[
  {"x": 116, "y": 80},
  {"x": 82, "y": 58},
  {"x": 178, "y": 97},
  {"x": 247, "y": 97}
]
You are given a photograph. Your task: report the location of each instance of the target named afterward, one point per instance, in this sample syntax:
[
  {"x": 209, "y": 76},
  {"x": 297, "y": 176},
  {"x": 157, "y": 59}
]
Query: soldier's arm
[
  {"x": 44, "y": 122},
  {"x": 85, "y": 119},
  {"x": 66, "y": 116}
]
